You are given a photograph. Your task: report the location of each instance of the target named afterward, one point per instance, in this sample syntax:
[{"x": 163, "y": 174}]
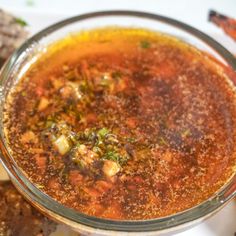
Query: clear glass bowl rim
[{"x": 47, "y": 204}]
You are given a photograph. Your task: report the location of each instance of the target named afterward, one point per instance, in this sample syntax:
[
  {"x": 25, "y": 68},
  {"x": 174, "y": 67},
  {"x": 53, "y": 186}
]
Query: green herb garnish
[
  {"x": 131, "y": 140},
  {"x": 103, "y": 132},
  {"x": 21, "y": 22},
  {"x": 145, "y": 44},
  {"x": 97, "y": 150},
  {"x": 116, "y": 157}
]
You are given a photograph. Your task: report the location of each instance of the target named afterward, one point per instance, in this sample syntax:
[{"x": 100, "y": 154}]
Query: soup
[{"x": 124, "y": 123}]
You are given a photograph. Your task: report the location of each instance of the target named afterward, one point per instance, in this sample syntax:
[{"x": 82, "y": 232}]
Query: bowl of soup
[{"x": 121, "y": 122}]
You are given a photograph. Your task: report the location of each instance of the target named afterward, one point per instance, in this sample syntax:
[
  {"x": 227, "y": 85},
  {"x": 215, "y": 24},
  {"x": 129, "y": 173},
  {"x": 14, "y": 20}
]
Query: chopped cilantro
[
  {"x": 97, "y": 150},
  {"x": 21, "y": 22},
  {"x": 145, "y": 44},
  {"x": 131, "y": 140},
  {"x": 103, "y": 132},
  {"x": 116, "y": 157}
]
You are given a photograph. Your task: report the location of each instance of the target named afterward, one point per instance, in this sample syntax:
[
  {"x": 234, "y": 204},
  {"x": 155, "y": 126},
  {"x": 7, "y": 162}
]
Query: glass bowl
[{"x": 27, "y": 54}]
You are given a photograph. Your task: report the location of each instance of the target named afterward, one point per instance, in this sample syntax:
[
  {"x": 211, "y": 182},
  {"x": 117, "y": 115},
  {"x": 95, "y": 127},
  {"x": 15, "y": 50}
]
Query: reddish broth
[{"x": 124, "y": 124}]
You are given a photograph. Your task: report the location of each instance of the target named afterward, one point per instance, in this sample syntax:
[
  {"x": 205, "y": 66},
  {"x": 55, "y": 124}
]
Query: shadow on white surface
[{"x": 224, "y": 222}]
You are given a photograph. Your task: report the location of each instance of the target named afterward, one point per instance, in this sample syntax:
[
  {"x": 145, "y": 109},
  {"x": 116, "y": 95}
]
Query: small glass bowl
[{"x": 20, "y": 62}]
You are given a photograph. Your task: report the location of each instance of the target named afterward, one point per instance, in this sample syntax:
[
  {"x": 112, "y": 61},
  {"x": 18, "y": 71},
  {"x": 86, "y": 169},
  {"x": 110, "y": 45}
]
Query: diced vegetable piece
[
  {"x": 110, "y": 168},
  {"x": 82, "y": 155},
  {"x": 41, "y": 162},
  {"x": 121, "y": 85},
  {"x": 111, "y": 139},
  {"x": 138, "y": 179},
  {"x": 113, "y": 211},
  {"x": 71, "y": 90},
  {"x": 57, "y": 84},
  {"x": 43, "y": 104},
  {"x": 103, "y": 186},
  {"x": 91, "y": 118},
  {"x": 3, "y": 175},
  {"x": 54, "y": 184},
  {"x": 92, "y": 155},
  {"x": 102, "y": 80},
  {"x": 167, "y": 156},
  {"x": 62, "y": 145},
  {"x": 106, "y": 80},
  {"x": 75, "y": 177},
  {"x": 29, "y": 137},
  {"x": 131, "y": 122},
  {"x": 92, "y": 192},
  {"x": 96, "y": 208},
  {"x": 131, "y": 187},
  {"x": 82, "y": 149}
]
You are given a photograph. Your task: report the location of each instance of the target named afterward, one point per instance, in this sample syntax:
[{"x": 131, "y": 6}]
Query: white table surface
[{"x": 41, "y": 13}]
